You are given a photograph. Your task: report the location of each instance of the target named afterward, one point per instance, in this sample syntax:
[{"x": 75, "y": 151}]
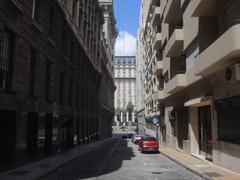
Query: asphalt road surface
[{"x": 121, "y": 160}]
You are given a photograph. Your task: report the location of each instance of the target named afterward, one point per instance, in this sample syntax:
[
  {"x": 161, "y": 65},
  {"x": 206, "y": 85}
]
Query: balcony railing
[
  {"x": 224, "y": 51},
  {"x": 178, "y": 66},
  {"x": 156, "y": 16},
  {"x": 174, "y": 46}
]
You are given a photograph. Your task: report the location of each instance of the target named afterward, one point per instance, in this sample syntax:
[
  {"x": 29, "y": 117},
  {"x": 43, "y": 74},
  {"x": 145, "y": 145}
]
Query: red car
[{"x": 148, "y": 144}]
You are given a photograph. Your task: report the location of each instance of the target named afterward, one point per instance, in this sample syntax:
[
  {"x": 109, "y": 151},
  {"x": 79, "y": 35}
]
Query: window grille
[{"x": 6, "y": 59}]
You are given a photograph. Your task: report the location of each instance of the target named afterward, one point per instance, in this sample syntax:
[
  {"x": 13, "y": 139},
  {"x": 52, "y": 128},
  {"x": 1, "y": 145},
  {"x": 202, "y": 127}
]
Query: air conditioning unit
[{"x": 233, "y": 73}]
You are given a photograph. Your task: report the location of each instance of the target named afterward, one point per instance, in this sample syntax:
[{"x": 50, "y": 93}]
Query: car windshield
[{"x": 149, "y": 139}]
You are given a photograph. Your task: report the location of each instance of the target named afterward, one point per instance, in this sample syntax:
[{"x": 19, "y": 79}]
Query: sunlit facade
[
  {"x": 125, "y": 82},
  {"x": 192, "y": 76}
]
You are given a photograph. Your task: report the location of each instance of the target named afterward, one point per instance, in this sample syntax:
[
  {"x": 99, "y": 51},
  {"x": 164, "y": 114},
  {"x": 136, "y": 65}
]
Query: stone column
[
  {"x": 127, "y": 116},
  {"x": 121, "y": 117},
  {"x": 133, "y": 118},
  {"x": 115, "y": 118}
]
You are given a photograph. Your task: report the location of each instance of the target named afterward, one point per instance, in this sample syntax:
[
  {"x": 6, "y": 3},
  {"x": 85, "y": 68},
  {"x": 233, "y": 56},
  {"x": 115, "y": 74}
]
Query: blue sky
[
  {"x": 127, "y": 12},
  {"x": 127, "y": 15}
]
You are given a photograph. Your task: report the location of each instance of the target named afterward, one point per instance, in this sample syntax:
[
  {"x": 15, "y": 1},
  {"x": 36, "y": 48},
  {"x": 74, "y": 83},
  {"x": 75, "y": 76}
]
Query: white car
[{"x": 136, "y": 138}]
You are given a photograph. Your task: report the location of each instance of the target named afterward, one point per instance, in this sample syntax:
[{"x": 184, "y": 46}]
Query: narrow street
[{"x": 120, "y": 159}]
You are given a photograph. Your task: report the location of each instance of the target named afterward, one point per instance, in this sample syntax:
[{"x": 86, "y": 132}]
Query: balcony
[
  {"x": 157, "y": 68},
  {"x": 156, "y": 16},
  {"x": 176, "y": 84},
  {"x": 175, "y": 44},
  {"x": 220, "y": 53},
  {"x": 157, "y": 41},
  {"x": 156, "y": 2},
  {"x": 203, "y": 8},
  {"x": 158, "y": 95},
  {"x": 172, "y": 11}
]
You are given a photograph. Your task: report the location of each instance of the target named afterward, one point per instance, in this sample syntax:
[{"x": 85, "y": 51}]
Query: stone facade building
[
  {"x": 52, "y": 59},
  {"x": 125, "y": 82},
  {"x": 107, "y": 87},
  {"x": 196, "y": 75}
]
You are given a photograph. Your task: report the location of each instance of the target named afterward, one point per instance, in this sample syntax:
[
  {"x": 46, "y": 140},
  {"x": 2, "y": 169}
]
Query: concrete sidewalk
[
  {"x": 203, "y": 168},
  {"x": 42, "y": 168}
]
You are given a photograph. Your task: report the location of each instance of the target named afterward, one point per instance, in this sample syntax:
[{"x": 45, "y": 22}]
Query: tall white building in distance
[{"x": 125, "y": 82}]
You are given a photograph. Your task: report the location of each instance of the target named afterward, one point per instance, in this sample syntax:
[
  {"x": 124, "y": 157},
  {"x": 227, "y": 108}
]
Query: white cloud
[{"x": 125, "y": 44}]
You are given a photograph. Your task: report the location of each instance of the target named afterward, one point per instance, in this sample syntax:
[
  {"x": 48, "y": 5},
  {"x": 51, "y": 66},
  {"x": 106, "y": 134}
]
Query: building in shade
[
  {"x": 125, "y": 82},
  {"x": 54, "y": 68},
  {"x": 107, "y": 88}
]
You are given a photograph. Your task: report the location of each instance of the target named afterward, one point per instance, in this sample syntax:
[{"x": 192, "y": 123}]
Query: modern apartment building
[
  {"x": 125, "y": 94},
  {"x": 140, "y": 68},
  {"x": 52, "y": 69},
  {"x": 194, "y": 83}
]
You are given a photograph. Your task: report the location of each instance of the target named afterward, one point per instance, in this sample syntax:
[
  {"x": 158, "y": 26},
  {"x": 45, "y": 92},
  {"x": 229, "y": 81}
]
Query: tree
[
  {"x": 130, "y": 107},
  {"x": 117, "y": 111}
]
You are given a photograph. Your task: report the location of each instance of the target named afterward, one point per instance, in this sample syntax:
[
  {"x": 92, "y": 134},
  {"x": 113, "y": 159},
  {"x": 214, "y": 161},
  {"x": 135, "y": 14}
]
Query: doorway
[
  {"x": 182, "y": 126},
  {"x": 7, "y": 138},
  {"x": 32, "y": 134},
  {"x": 205, "y": 132}
]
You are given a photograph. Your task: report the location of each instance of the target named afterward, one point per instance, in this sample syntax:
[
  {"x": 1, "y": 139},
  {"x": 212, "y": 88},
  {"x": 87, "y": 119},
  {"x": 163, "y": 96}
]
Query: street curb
[{"x": 188, "y": 167}]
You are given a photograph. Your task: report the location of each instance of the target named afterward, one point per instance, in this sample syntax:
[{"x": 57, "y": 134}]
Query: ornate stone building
[
  {"x": 125, "y": 81},
  {"x": 52, "y": 72},
  {"x": 107, "y": 87}
]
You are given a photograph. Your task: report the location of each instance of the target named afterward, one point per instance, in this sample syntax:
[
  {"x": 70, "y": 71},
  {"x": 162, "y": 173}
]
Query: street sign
[{"x": 156, "y": 119}]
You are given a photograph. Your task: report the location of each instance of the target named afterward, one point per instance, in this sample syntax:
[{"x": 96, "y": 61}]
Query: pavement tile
[{"x": 205, "y": 169}]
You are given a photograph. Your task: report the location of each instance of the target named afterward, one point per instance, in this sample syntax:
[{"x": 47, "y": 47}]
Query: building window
[
  {"x": 6, "y": 60},
  {"x": 80, "y": 15},
  {"x": 166, "y": 77},
  {"x": 82, "y": 98},
  {"x": 228, "y": 119},
  {"x": 64, "y": 39},
  {"x": 74, "y": 9},
  {"x": 48, "y": 81},
  {"x": 32, "y": 73},
  {"x": 77, "y": 96},
  {"x": 35, "y": 9},
  {"x": 73, "y": 50},
  {"x": 61, "y": 88},
  {"x": 51, "y": 21},
  {"x": 70, "y": 92}
]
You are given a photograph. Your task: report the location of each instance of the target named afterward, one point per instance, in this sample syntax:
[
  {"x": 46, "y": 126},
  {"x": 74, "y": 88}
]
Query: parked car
[
  {"x": 136, "y": 138},
  {"x": 148, "y": 144},
  {"x": 124, "y": 136}
]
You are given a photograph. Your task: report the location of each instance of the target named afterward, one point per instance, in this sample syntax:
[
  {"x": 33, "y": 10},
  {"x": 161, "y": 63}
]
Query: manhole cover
[
  {"x": 213, "y": 174},
  {"x": 155, "y": 172},
  {"x": 18, "y": 172}
]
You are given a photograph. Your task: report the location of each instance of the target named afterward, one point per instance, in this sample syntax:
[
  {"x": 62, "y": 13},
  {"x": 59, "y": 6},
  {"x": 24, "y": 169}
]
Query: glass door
[{"x": 205, "y": 132}]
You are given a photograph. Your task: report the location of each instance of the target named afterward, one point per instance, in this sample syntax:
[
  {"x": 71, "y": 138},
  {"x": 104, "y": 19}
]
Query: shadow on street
[{"x": 102, "y": 160}]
